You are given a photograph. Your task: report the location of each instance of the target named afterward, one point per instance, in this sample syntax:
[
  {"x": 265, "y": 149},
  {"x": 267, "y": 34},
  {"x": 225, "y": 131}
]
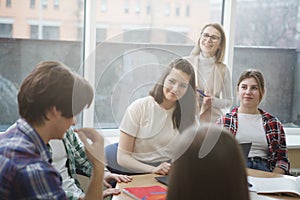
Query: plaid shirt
[
  {"x": 25, "y": 170},
  {"x": 277, "y": 150},
  {"x": 77, "y": 162}
]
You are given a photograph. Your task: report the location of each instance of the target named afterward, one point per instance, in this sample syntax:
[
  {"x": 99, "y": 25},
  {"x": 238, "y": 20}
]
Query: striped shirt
[
  {"x": 277, "y": 150},
  {"x": 26, "y": 171},
  {"x": 77, "y": 162}
]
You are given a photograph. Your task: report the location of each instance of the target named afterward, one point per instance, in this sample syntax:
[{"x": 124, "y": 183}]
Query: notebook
[
  {"x": 246, "y": 149},
  {"x": 162, "y": 179},
  {"x": 154, "y": 192}
]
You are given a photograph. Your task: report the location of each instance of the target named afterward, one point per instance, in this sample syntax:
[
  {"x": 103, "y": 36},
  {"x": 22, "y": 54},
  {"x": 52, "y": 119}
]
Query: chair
[{"x": 111, "y": 159}]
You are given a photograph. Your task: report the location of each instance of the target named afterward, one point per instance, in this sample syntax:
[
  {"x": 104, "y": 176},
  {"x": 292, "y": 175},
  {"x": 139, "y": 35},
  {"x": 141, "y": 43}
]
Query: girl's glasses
[{"x": 213, "y": 38}]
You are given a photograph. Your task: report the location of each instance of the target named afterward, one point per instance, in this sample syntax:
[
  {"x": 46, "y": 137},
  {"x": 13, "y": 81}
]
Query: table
[{"x": 148, "y": 180}]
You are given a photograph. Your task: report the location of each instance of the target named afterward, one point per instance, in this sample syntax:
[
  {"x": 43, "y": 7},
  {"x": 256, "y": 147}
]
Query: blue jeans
[{"x": 258, "y": 163}]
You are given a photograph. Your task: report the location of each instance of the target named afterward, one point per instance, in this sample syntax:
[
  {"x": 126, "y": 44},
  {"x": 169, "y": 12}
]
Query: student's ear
[{"x": 53, "y": 112}]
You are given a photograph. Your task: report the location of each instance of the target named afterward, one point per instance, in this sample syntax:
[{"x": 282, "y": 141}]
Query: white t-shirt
[
  {"x": 250, "y": 129},
  {"x": 152, "y": 127},
  {"x": 59, "y": 160}
]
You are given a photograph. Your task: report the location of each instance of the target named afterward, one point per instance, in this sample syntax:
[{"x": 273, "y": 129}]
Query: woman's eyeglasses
[{"x": 213, "y": 38}]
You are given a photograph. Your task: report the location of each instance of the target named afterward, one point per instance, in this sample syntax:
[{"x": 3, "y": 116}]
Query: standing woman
[
  {"x": 248, "y": 123},
  {"x": 151, "y": 126},
  {"x": 212, "y": 75}
]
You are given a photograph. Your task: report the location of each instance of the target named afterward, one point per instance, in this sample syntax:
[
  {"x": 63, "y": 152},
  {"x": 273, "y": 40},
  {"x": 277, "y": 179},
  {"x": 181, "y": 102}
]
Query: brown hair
[
  {"x": 258, "y": 76},
  {"x": 50, "y": 84},
  {"x": 186, "y": 106},
  {"x": 221, "y": 174},
  {"x": 221, "y": 51}
]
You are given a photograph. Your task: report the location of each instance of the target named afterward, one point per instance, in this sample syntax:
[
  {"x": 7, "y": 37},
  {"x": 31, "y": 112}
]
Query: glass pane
[
  {"x": 33, "y": 35},
  {"x": 267, "y": 38},
  {"x": 138, "y": 45}
]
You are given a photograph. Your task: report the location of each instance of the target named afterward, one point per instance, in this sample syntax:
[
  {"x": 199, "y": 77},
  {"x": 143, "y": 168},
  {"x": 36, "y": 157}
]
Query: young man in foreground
[{"x": 49, "y": 99}]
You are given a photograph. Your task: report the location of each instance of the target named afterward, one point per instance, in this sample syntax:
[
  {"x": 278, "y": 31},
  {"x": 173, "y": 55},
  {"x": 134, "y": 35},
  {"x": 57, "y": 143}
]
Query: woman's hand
[
  {"x": 208, "y": 99},
  {"x": 162, "y": 169}
]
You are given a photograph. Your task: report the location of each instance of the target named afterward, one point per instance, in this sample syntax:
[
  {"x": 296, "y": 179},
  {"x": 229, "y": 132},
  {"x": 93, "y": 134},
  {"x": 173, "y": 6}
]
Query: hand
[
  {"x": 208, "y": 99},
  {"x": 117, "y": 177},
  {"x": 111, "y": 191},
  {"x": 162, "y": 169},
  {"x": 95, "y": 149}
]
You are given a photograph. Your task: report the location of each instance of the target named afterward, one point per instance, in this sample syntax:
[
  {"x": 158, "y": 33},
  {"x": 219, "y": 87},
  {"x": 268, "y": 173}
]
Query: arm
[
  {"x": 125, "y": 159},
  {"x": 82, "y": 164},
  {"x": 225, "y": 100},
  {"x": 95, "y": 153},
  {"x": 282, "y": 164}
]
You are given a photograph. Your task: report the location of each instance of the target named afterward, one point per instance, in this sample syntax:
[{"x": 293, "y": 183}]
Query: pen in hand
[{"x": 201, "y": 93}]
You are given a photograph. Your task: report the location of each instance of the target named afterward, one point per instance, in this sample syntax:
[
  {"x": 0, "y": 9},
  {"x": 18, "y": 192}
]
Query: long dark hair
[
  {"x": 221, "y": 174},
  {"x": 184, "y": 113}
]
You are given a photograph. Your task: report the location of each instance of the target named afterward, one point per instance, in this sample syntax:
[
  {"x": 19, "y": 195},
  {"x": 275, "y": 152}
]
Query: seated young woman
[
  {"x": 249, "y": 123},
  {"x": 151, "y": 126}
]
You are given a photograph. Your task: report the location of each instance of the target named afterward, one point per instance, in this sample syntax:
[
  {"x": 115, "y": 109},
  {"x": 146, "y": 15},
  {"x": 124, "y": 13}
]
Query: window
[
  {"x": 126, "y": 6},
  {"x": 34, "y": 32},
  {"x": 187, "y": 10},
  {"x": 57, "y": 42},
  {"x": 132, "y": 47},
  {"x": 177, "y": 10},
  {"x": 167, "y": 9},
  {"x": 80, "y": 4},
  {"x": 148, "y": 8},
  {"x": 32, "y": 3},
  {"x": 44, "y": 3},
  {"x": 6, "y": 30},
  {"x": 56, "y": 4},
  {"x": 48, "y": 32},
  {"x": 103, "y": 5},
  {"x": 271, "y": 40},
  {"x": 137, "y": 6},
  {"x": 8, "y": 3},
  {"x": 101, "y": 34}
]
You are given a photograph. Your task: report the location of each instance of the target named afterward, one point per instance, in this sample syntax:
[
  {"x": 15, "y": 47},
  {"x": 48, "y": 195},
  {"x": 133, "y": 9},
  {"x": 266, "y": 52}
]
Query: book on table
[
  {"x": 146, "y": 193},
  {"x": 285, "y": 185}
]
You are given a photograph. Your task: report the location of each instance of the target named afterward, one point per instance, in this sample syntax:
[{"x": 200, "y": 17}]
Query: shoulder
[
  {"x": 222, "y": 67},
  {"x": 144, "y": 101},
  {"x": 269, "y": 117},
  {"x": 191, "y": 58},
  {"x": 230, "y": 115}
]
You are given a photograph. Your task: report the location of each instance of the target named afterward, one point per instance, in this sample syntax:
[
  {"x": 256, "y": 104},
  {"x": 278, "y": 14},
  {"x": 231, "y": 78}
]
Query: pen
[{"x": 201, "y": 93}]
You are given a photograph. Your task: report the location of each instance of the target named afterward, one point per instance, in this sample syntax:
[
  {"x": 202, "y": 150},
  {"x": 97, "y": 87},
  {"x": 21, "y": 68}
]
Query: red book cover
[{"x": 147, "y": 193}]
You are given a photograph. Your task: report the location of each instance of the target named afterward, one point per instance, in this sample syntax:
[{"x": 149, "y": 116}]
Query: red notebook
[{"x": 147, "y": 193}]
